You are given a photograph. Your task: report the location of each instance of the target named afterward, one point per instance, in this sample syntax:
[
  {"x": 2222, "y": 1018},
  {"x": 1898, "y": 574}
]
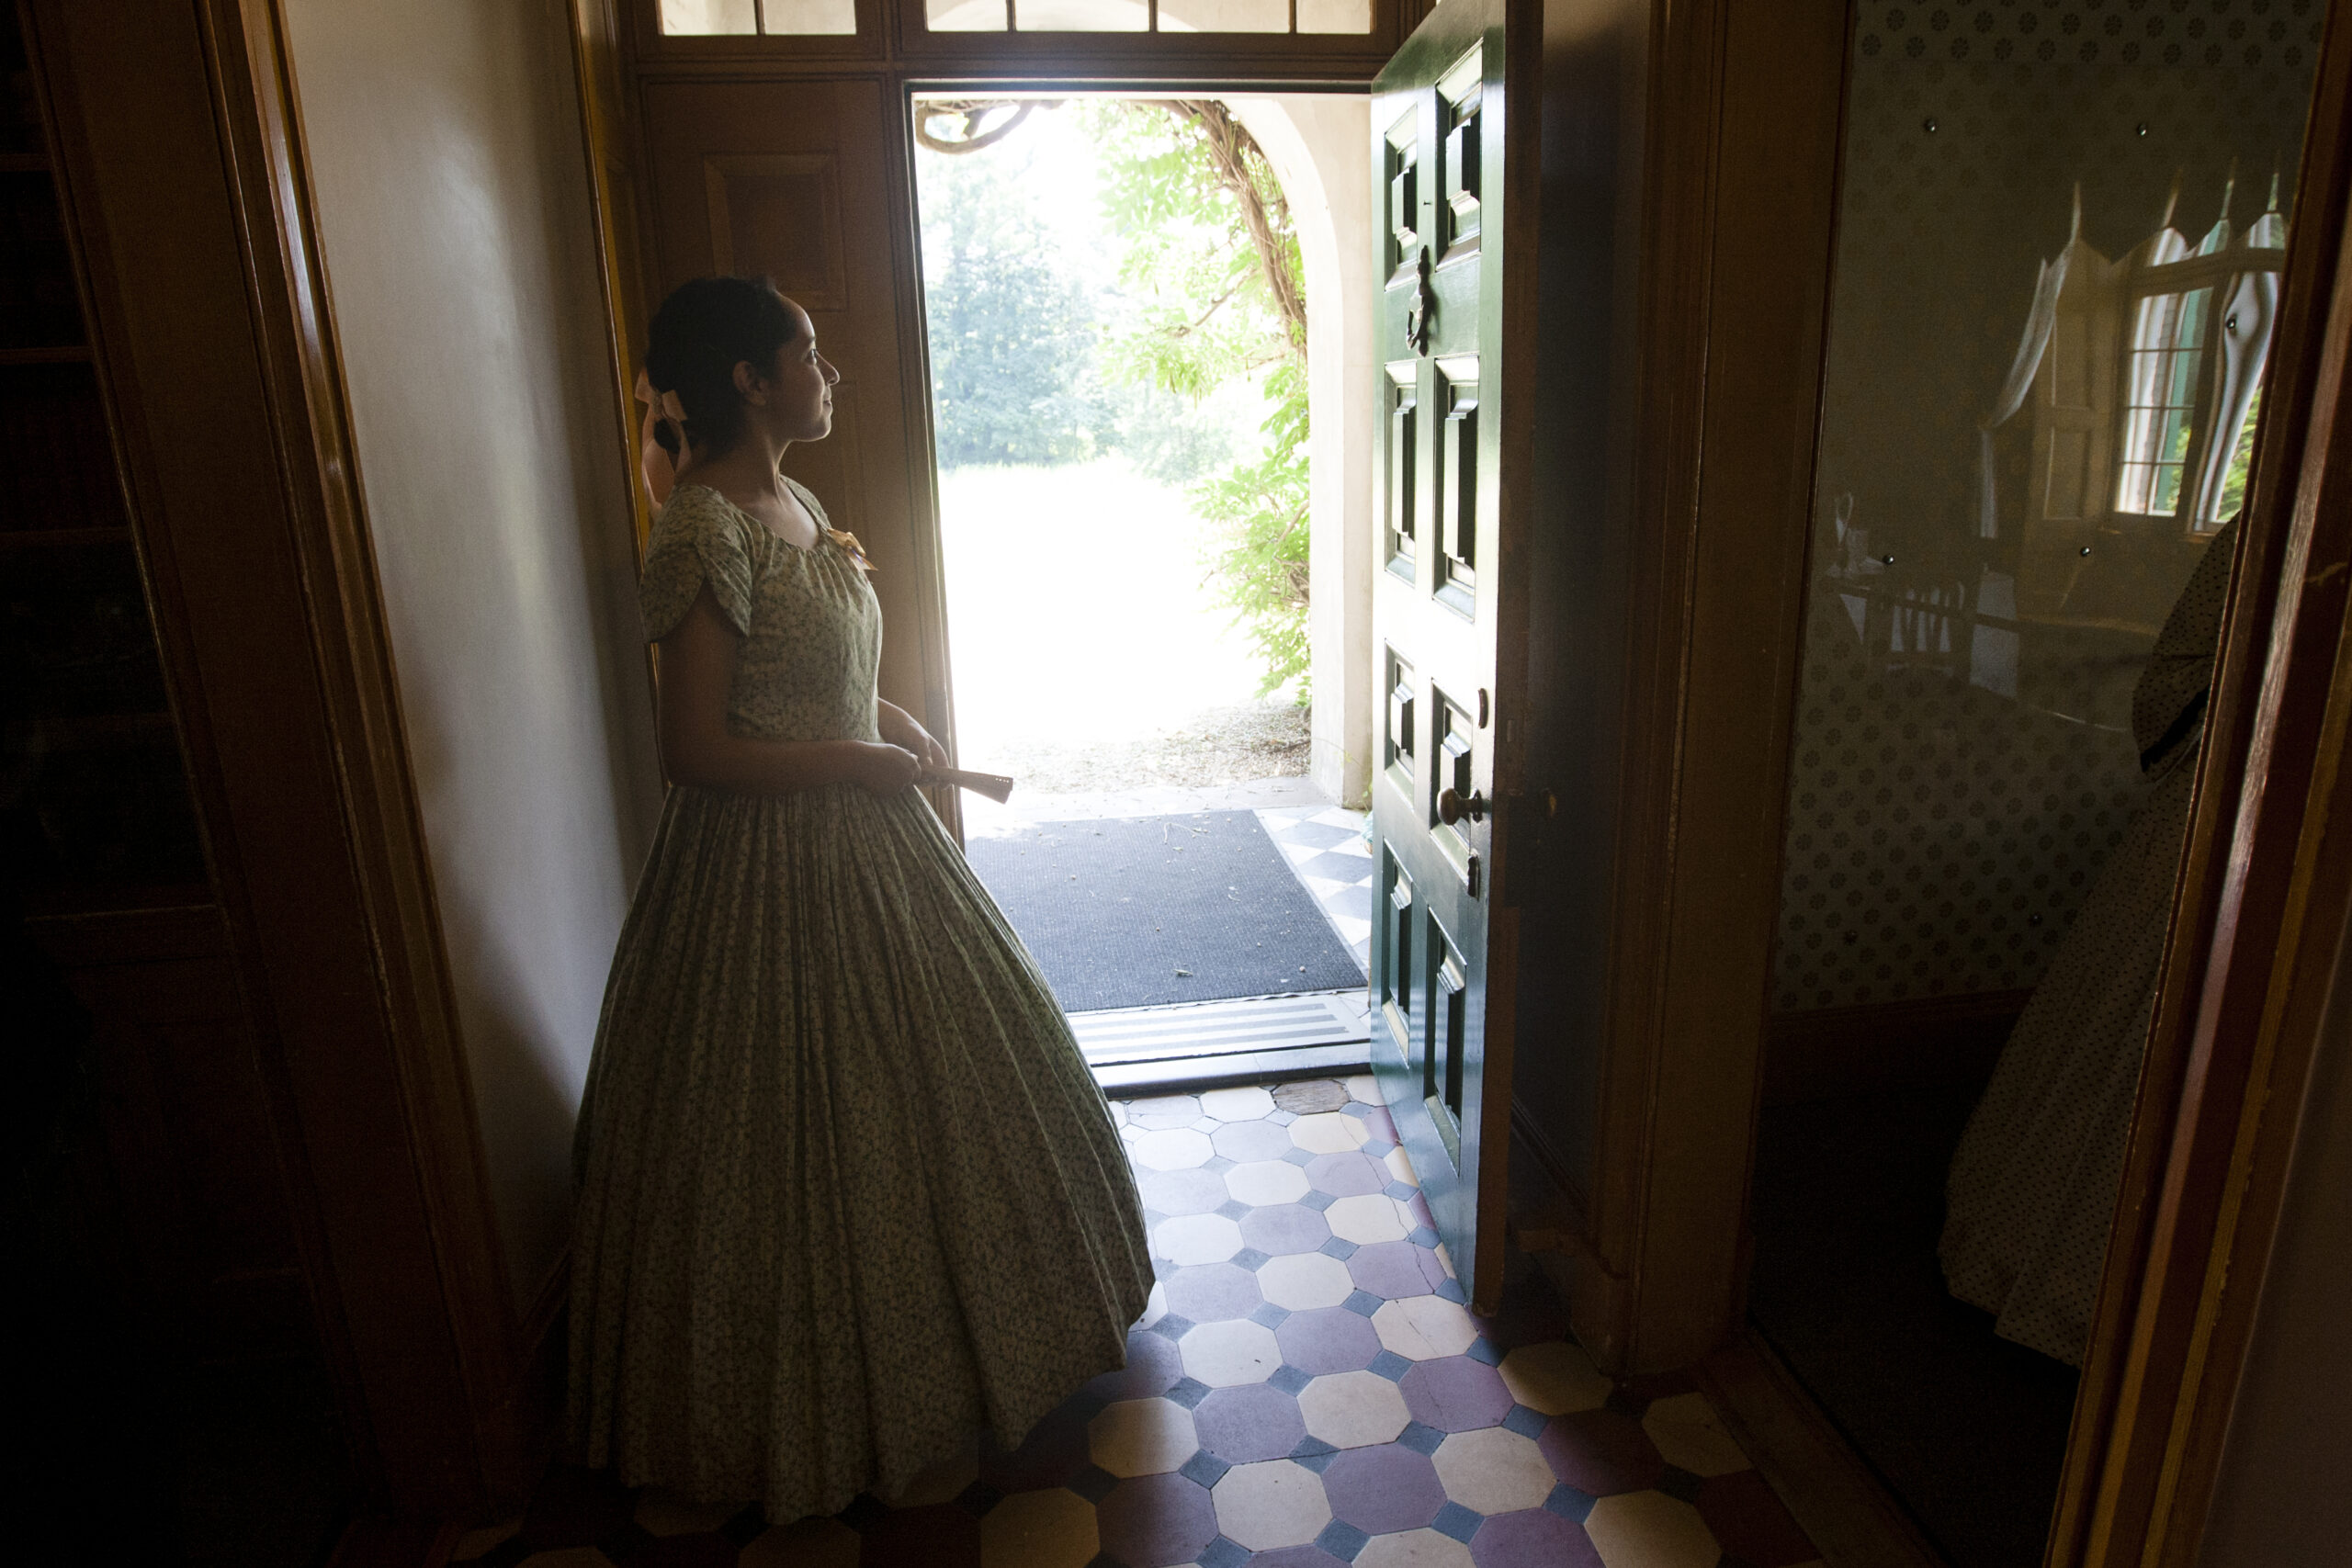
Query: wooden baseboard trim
[
  {"x": 1840, "y": 1504},
  {"x": 1826, "y": 1052}
]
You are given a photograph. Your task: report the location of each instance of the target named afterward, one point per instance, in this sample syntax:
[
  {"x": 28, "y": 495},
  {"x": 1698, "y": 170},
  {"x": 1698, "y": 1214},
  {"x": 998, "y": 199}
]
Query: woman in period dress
[
  {"x": 2031, "y": 1191},
  {"x": 847, "y": 1194}
]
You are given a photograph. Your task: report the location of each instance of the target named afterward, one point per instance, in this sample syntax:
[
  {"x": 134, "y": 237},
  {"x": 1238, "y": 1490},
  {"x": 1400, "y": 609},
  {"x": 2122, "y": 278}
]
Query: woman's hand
[
  {"x": 884, "y": 769},
  {"x": 899, "y": 728}
]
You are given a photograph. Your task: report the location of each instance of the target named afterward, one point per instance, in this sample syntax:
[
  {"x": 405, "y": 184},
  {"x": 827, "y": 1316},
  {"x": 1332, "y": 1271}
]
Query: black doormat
[{"x": 1135, "y": 911}]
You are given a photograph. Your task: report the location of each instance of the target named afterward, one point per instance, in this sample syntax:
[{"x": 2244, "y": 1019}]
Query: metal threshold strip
[{"x": 1245, "y": 1039}]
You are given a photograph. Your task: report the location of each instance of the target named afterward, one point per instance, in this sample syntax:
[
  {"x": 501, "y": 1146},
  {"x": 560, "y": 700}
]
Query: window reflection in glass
[{"x": 2057, "y": 269}]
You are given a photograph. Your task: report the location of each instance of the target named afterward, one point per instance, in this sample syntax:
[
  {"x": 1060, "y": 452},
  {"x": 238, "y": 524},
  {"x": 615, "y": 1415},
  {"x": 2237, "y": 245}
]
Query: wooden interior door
[
  {"x": 1448, "y": 628},
  {"x": 807, "y": 182}
]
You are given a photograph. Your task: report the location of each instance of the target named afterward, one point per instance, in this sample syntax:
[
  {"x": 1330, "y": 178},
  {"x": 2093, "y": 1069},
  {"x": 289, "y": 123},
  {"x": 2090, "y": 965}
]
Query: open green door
[{"x": 1449, "y": 625}]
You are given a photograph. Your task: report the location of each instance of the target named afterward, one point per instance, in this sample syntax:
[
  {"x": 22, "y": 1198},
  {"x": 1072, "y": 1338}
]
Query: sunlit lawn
[{"x": 1077, "y": 610}]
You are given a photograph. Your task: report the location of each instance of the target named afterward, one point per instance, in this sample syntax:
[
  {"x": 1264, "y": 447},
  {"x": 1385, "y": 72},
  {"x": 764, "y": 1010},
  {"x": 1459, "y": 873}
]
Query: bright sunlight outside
[{"x": 1117, "y": 347}]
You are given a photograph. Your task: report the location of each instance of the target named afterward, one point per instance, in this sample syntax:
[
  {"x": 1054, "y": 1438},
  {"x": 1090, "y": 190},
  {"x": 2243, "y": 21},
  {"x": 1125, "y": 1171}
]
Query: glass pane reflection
[{"x": 2057, "y": 268}]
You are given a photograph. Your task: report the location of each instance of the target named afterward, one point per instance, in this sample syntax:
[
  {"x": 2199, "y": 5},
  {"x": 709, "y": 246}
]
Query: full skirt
[{"x": 847, "y": 1193}]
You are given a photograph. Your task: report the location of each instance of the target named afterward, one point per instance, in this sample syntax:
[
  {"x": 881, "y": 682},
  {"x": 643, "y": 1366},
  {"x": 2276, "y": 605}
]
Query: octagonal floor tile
[
  {"x": 1265, "y": 1181},
  {"x": 1533, "y": 1536},
  {"x": 1153, "y": 1366},
  {"x": 1301, "y": 1096},
  {"x": 1251, "y": 1140},
  {"x": 1422, "y": 1329},
  {"x": 1601, "y": 1453},
  {"x": 1192, "y": 1191},
  {"x": 1455, "y": 1393},
  {"x": 1650, "y": 1530},
  {"x": 1040, "y": 1529},
  {"x": 1363, "y": 1088},
  {"x": 1329, "y": 1339},
  {"x": 1492, "y": 1471},
  {"x": 1225, "y": 1355},
  {"x": 1400, "y": 1165},
  {"x": 1172, "y": 1148},
  {"x": 1250, "y": 1423},
  {"x": 1237, "y": 1104},
  {"x": 1156, "y": 1522},
  {"x": 1688, "y": 1433},
  {"x": 1329, "y": 1133},
  {"x": 1279, "y": 1503},
  {"x": 1383, "y": 1489},
  {"x": 1354, "y": 1410},
  {"x": 1164, "y": 1110},
  {"x": 1284, "y": 1228},
  {"x": 1366, "y": 1219},
  {"x": 1303, "y": 1281},
  {"x": 1396, "y": 1269},
  {"x": 1351, "y": 1175},
  {"x": 941, "y": 1537},
  {"x": 1142, "y": 1437},
  {"x": 1209, "y": 1293},
  {"x": 1556, "y": 1378},
  {"x": 1414, "y": 1549},
  {"x": 1196, "y": 1238}
]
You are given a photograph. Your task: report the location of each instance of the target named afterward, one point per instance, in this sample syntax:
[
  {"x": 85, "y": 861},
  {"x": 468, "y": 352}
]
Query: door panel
[
  {"x": 1442, "y": 967},
  {"x": 796, "y": 180}
]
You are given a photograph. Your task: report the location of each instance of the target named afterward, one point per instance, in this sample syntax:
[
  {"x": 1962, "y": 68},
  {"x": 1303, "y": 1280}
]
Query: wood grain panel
[{"x": 796, "y": 179}]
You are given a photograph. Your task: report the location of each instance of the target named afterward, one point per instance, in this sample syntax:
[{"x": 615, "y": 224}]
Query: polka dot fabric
[{"x": 2031, "y": 1191}]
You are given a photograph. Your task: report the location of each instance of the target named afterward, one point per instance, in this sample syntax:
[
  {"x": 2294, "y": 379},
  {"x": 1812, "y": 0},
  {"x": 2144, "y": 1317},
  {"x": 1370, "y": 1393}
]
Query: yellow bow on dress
[{"x": 848, "y": 541}]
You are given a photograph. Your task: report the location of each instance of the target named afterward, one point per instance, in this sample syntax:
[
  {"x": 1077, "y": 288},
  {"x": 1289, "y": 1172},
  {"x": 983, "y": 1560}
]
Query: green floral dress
[{"x": 846, "y": 1191}]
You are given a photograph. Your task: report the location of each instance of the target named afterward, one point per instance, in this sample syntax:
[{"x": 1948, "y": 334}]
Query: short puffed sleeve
[{"x": 698, "y": 538}]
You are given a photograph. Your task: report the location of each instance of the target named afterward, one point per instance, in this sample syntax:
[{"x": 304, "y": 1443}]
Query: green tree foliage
[
  {"x": 1215, "y": 292},
  {"x": 1014, "y": 338}
]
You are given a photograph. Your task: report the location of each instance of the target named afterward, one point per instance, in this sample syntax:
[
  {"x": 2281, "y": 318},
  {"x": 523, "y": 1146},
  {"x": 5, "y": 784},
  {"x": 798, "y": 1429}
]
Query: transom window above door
[{"x": 783, "y": 18}]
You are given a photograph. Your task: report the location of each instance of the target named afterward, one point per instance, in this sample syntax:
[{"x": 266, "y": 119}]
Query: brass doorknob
[{"x": 1453, "y": 808}]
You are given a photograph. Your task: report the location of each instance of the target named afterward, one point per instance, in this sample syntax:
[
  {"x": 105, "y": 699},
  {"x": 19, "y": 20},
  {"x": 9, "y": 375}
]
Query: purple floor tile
[
  {"x": 1384, "y": 1488},
  {"x": 1531, "y": 1539},
  {"x": 1601, "y": 1453},
  {"x": 1380, "y": 1124},
  {"x": 1155, "y": 1521},
  {"x": 1172, "y": 1192},
  {"x": 1154, "y": 1363},
  {"x": 1281, "y": 1228},
  {"x": 1256, "y": 1421},
  {"x": 1327, "y": 1339},
  {"x": 1455, "y": 1393},
  {"x": 1295, "y": 1557},
  {"x": 1243, "y": 1141},
  {"x": 1349, "y": 1175},
  {"x": 1212, "y": 1293},
  {"x": 1392, "y": 1269}
]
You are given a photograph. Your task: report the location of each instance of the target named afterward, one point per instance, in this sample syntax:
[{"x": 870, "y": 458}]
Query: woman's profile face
[{"x": 799, "y": 405}]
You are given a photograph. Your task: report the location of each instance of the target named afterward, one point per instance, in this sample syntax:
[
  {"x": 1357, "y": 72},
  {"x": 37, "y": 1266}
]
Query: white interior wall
[
  {"x": 1317, "y": 144},
  {"x": 444, "y": 139}
]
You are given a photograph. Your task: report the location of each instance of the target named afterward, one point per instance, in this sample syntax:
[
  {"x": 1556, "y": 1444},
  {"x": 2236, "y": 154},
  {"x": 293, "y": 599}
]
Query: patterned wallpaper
[{"x": 1956, "y": 782}]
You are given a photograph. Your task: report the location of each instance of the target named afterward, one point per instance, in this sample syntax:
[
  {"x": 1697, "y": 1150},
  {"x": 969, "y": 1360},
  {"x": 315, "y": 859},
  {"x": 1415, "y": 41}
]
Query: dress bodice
[{"x": 810, "y": 625}]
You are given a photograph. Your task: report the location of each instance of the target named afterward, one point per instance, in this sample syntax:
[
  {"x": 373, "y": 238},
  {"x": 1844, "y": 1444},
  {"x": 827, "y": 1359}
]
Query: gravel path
[{"x": 1226, "y": 745}]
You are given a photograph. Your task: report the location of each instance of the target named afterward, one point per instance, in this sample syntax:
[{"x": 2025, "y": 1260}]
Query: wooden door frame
[
  {"x": 187, "y": 196},
  {"x": 1657, "y": 1255}
]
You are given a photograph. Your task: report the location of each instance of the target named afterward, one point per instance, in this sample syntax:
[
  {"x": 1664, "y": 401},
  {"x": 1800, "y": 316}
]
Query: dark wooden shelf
[
  {"x": 61, "y": 538},
  {"x": 60, "y": 354}
]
